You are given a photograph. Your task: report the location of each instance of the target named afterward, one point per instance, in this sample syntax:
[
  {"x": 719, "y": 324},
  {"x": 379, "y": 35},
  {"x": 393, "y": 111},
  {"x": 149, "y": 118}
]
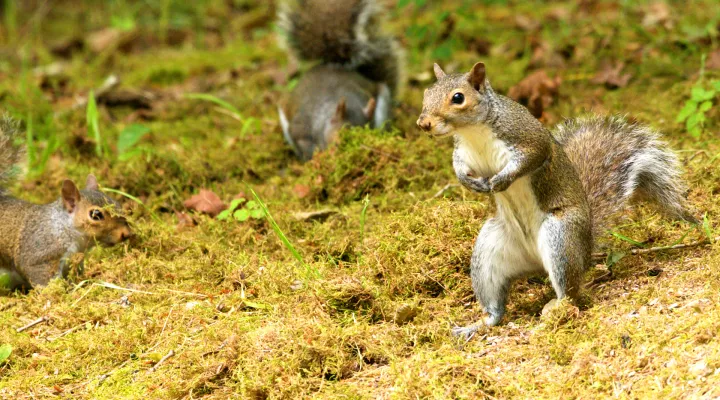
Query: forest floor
[{"x": 197, "y": 307}]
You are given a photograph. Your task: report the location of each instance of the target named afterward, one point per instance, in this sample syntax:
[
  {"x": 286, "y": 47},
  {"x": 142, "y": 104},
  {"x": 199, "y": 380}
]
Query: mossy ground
[{"x": 246, "y": 320}]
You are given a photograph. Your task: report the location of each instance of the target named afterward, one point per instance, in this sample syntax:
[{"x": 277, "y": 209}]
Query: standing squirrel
[
  {"x": 36, "y": 241},
  {"x": 553, "y": 192},
  {"x": 356, "y": 80}
]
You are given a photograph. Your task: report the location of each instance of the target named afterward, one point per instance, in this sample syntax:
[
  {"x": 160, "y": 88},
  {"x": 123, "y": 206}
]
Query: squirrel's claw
[
  {"x": 465, "y": 332},
  {"x": 498, "y": 184},
  {"x": 480, "y": 185}
]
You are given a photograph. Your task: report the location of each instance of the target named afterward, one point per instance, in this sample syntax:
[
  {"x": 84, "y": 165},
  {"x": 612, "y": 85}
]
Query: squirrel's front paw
[
  {"x": 499, "y": 184},
  {"x": 481, "y": 185}
]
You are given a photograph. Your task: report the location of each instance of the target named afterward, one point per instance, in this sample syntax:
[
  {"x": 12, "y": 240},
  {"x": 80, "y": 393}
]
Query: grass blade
[
  {"x": 627, "y": 239},
  {"x": 707, "y": 229},
  {"x": 92, "y": 123},
  {"x": 363, "y": 217},
  {"x": 311, "y": 272},
  {"x": 220, "y": 102},
  {"x": 135, "y": 199}
]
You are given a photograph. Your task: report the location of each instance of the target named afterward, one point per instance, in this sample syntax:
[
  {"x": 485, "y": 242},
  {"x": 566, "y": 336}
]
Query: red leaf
[
  {"x": 537, "y": 91},
  {"x": 206, "y": 202},
  {"x": 184, "y": 221},
  {"x": 301, "y": 191}
]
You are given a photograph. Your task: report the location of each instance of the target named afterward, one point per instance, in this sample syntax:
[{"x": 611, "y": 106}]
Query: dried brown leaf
[
  {"x": 301, "y": 191},
  {"x": 611, "y": 75},
  {"x": 185, "y": 221},
  {"x": 713, "y": 60},
  {"x": 658, "y": 13},
  {"x": 206, "y": 202},
  {"x": 537, "y": 92}
]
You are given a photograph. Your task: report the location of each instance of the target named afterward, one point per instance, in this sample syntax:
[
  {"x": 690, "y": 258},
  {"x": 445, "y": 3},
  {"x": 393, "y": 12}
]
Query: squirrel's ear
[
  {"x": 477, "y": 76},
  {"x": 340, "y": 110},
  {"x": 369, "y": 109},
  {"x": 439, "y": 73},
  {"x": 91, "y": 183},
  {"x": 70, "y": 195}
]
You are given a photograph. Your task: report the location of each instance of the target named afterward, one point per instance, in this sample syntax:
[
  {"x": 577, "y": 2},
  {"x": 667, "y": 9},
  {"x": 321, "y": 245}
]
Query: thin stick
[
  {"x": 67, "y": 332},
  {"x": 184, "y": 293},
  {"x": 445, "y": 189},
  {"x": 108, "y": 285},
  {"x": 162, "y": 360},
  {"x": 662, "y": 248},
  {"x": 107, "y": 375},
  {"x": 30, "y": 325}
]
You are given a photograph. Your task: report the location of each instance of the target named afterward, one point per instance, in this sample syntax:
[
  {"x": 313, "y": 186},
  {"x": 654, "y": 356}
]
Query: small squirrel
[
  {"x": 553, "y": 191},
  {"x": 356, "y": 80},
  {"x": 36, "y": 241}
]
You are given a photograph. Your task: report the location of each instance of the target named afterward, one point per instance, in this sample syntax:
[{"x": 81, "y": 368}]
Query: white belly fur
[{"x": 517, "y": 207}]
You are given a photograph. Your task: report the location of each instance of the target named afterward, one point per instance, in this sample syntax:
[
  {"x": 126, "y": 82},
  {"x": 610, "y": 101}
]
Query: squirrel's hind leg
[
  {"x": 564, "y": 245},
  {"x": 497, "y": 259}
]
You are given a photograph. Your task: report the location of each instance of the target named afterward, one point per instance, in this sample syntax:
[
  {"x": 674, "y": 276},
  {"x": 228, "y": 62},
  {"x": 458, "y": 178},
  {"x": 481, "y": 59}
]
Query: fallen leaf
[
  {"x": 543, "y": 55},
  {"x": 301, "y": 191},
  {"x": 320, "y": 215},
  {"x": 537, "y": 91},
  {"x": 658, "y": 13},
  {"x": 206, "y": 202},
  {"x": 135, "y": 98},
  {"x": 65, "y": 48},
  {"x": 405, "y": 313},
  {"x": 478, "y": 45},
  {"x": 185, "y": 221},
  {"x": 110, "y": 38},
  {"x": 713, "y": 61},
  {"x": 611, "y": 75},
  {"x": 526, "y": 23}
]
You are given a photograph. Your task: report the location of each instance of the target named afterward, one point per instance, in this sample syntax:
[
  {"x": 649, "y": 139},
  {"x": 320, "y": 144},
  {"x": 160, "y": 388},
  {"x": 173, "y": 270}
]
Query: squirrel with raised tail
[
  {"x": 36, "y": 241},
  {"x": 553, "y": 191},
  {"x": 356, "y": 79}
]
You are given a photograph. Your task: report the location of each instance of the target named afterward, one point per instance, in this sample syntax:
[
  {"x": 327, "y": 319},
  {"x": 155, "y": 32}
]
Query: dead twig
[
  {"x": 30, "y": 325},
  {"x": 445, "y": 189},
  {"x": 103, "y": 377},
  {"x": 162, "y": 360},
  {"x": 67, "y": 332},
  {"x": 600, "y": 256}
]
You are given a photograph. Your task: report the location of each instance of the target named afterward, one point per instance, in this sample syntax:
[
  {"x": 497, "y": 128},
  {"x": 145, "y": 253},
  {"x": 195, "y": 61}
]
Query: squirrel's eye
[
  {"x": 458, "y": 98},
  {"x": 96, "y": 215}
]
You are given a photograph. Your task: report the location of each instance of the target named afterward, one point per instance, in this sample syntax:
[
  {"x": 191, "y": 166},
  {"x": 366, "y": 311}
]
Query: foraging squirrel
[
  {"x": 553, "y": 191},
  {"x": 36, "y": 241},
  {"x": 356, "y": 80}
]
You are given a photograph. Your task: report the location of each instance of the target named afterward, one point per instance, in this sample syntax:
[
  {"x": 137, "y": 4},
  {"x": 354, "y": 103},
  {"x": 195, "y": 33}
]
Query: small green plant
[
  {"x": 93, "y": 124},
  {"x": 237, "y": 212},
  {"x": 432, "y": 35},
  {"x": 701, "y": 100},
  {"x": 249, "y": 124},
  {"x": 5, "y": 351},
  {"x": 310, "y": 272},
  {"x": 128, "y": 138},
  {"x": 363, "y": 217},
  {"x": 37, "y": 157}
]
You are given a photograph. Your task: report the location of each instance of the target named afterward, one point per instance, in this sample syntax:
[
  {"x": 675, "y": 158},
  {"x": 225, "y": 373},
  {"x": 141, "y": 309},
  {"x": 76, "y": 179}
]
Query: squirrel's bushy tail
[
  {"x": 619, "y": 161},
  {"x": 346, "y": 33},
  {"x": 10, "y": 153}
]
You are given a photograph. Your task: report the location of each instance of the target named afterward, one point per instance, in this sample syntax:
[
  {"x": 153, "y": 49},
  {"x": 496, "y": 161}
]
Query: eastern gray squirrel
[
  {"x": 554, "y": 191},
  {"x": 36, "y": 241},
  {"x": 356, "y": 79}
]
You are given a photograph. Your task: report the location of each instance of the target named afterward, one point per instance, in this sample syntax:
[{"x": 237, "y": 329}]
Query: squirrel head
[
  {"x": 94, "y": 214},
  {"x": 455, "y": 101}
]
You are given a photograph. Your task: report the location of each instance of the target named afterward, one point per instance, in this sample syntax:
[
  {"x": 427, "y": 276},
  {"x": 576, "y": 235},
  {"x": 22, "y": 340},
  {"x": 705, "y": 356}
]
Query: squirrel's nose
[
  {"x": 126, "y": 234},
  {"x": 424, "y": 124}
]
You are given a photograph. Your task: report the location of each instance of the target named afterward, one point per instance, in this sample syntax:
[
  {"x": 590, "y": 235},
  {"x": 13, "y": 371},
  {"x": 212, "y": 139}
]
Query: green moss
[{"x": 232, "y": 302}]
